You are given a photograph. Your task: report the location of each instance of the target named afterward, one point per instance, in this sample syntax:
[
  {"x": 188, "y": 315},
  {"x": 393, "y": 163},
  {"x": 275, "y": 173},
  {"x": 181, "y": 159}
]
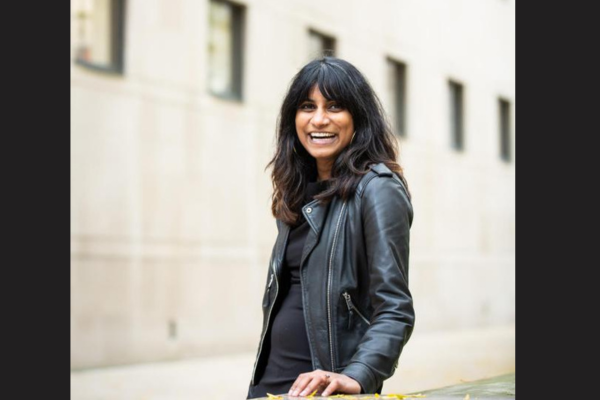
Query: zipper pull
[
  {"x": 348, "y": 301},
  {"x": 350, "y": 306}
]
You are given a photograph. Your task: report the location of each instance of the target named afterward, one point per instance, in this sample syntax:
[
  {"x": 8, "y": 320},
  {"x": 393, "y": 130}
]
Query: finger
[
  {"x": 299, "y": 384},
  {"x": 332, "y": 387},
  {"x": 316, "y": 382},
  {"x": 294, "y": 385}
]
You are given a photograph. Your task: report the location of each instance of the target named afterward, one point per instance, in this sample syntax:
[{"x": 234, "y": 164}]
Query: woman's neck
[{"x": 324, "y": 170}]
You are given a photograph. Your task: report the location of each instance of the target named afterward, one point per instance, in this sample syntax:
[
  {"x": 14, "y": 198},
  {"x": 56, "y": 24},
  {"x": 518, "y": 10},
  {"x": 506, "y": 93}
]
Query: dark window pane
[
  {"x": 456, "y": 115},
  {"x": 505, "y": 136},
  {"x": 320, "y": 44},
  {"x": 397, "y": 95}
]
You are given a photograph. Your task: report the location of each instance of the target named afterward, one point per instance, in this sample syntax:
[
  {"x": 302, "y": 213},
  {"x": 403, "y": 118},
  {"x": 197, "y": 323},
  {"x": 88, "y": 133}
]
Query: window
[
  {"x": 320, "y": 44},
  {"x": 225, "y": 49},
  {"x": 457, "y": 115},
  {"x": 505, "y": 136},
  {"x": 99, "y": 34},
  {"x": 397, "y": 95}
]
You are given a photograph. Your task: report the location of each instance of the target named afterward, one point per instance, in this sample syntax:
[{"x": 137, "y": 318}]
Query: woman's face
[{"x": 323, "y": 127}]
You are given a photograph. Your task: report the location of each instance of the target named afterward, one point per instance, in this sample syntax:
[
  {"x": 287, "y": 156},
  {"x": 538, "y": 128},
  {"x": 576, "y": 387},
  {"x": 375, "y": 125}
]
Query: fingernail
[{"x": 303, "y": 393}]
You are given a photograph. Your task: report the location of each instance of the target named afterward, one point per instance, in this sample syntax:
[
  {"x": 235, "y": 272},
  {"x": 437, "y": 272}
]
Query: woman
[{"x": 337, "y": 308}]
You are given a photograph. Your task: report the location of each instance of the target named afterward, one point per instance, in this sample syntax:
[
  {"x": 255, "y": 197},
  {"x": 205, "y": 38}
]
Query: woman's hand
[{"x": 318, "y": 379}]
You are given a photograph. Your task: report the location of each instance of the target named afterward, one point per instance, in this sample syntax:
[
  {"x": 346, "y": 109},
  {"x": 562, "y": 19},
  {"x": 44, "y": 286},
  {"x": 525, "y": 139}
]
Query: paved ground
[
  {"x": 432, "y": 360},
  {"x": 499, "y": 387}
]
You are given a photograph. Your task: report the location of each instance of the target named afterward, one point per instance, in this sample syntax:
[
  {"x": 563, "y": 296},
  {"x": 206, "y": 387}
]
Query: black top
[{"x": 286, "y": 342}]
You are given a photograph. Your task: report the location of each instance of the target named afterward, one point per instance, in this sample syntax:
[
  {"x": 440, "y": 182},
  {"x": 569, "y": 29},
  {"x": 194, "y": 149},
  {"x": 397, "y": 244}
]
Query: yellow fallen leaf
[
  {"x": 312, "y": 394},
  {"x": 272, "y": 396}
]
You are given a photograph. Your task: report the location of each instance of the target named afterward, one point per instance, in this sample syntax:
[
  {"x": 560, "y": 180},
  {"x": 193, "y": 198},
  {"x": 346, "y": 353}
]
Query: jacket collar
[{"x": 315, "y": 214}]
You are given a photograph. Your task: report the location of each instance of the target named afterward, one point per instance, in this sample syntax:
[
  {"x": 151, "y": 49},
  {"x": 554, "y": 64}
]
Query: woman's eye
[
  {"x": 306, "y": 106},
  {"x": 336, "y": 106}
]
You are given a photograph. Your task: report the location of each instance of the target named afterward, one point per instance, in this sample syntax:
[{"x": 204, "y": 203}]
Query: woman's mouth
[{"x": 320, "y": 138}]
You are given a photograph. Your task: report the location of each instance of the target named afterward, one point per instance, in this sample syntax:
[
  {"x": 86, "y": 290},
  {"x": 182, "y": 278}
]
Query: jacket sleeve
[{"x": 387, "y": 216}]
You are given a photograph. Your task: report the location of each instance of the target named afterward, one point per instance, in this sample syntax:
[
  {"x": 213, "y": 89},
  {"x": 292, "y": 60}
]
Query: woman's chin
[{"x": 323, "y": 154}]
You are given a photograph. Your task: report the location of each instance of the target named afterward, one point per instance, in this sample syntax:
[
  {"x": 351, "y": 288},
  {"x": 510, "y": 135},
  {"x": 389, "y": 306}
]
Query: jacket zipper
[
  {"x": 329, "y": 285},
  {"x": 351, "y": 307},
  {"x": 268, "y": 319}
]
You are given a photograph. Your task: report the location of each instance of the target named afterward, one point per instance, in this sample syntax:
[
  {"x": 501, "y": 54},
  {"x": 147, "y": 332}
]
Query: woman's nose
[{"x": 320, "y": 118}]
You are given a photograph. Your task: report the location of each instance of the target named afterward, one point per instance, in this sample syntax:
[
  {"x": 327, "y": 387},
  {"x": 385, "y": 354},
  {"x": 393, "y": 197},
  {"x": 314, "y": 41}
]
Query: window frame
[
  {"x": 326, "y": 40},
  {"x": 457, "y": 114},
  {"x": 504, "y": 127},
  {"x": 238, "y": 25},
  {"x": 400, "y": 116},
  {"x": 117, "y": 43}
]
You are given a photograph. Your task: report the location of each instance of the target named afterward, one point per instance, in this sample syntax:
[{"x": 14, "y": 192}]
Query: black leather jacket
[{"x": 354, "y": 273}]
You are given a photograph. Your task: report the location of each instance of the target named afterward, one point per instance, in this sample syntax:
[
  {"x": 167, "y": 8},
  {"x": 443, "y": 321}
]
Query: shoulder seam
[
  {"x": 379, "y": 170},
  {"x": 382, "y": 170},
  {"x": 366, "y": 182}
]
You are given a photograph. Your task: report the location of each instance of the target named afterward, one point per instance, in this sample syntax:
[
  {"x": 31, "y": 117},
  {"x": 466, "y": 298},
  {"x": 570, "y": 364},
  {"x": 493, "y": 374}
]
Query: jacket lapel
[{"x": 315, "y": 214}]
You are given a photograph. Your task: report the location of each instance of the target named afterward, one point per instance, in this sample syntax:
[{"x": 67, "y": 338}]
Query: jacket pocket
[{"x": 352, "y": 309}]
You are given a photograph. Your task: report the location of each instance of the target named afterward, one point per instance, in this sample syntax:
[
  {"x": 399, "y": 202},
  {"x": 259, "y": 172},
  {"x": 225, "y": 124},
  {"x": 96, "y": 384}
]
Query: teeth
[{"x": 321, "y": 134}]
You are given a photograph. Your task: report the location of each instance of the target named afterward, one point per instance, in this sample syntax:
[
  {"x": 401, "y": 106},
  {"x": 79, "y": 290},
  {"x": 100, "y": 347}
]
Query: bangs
[{"x": 333, "y": 83}]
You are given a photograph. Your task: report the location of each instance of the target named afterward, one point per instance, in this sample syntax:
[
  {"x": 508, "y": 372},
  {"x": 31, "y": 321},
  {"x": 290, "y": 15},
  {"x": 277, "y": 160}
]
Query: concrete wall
[{"x": 171, "y": 228}]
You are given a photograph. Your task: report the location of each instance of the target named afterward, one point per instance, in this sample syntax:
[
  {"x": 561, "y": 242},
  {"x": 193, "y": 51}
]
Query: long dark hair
[{"x": 373, "y": 143}]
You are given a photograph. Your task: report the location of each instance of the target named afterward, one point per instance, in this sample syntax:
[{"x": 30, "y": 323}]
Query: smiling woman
[
  {"x": 337, "y": 308},
  {"x": 324, "y": 128}
]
